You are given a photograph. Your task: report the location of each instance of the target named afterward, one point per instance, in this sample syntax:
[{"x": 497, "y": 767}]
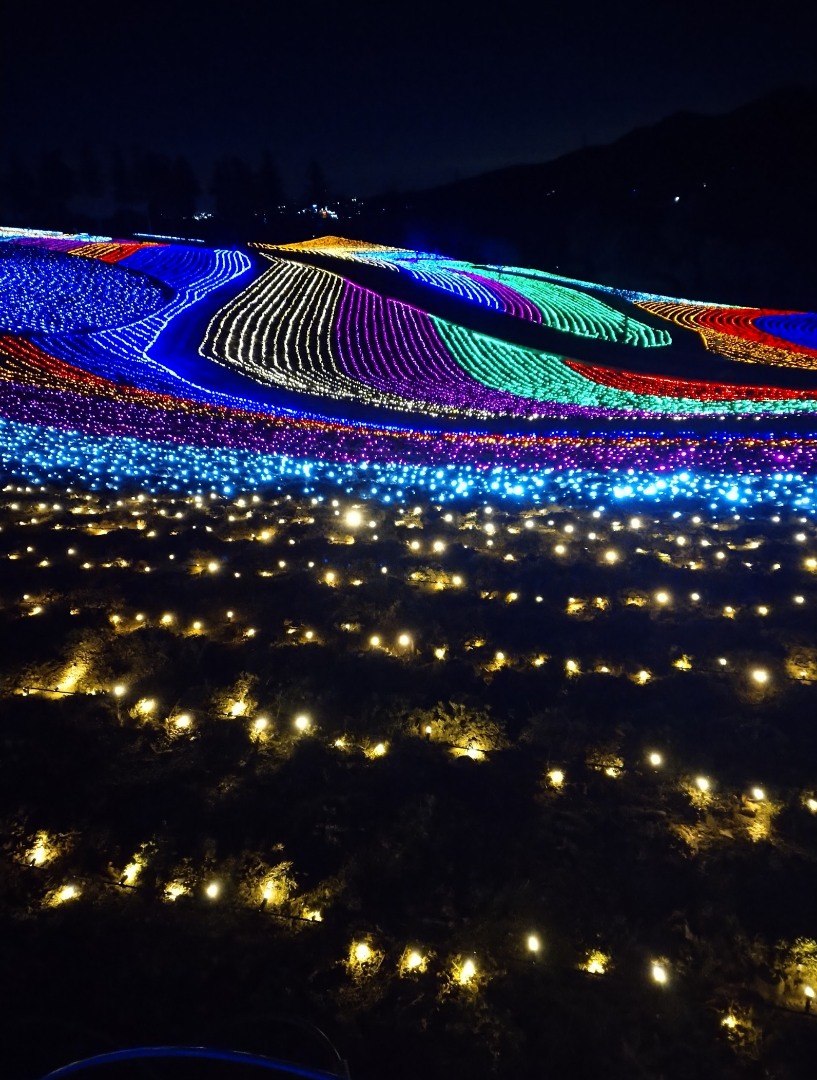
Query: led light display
[
  {"x": 109, "y": 405},
  {"x": 48, "y": 292},
  {"x": 519, "y": 294},
  {"x": 739, "y": 333}
]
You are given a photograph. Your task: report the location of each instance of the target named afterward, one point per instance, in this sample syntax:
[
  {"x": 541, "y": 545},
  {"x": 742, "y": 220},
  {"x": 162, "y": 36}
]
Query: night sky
[{"x": 383, "y": 95}]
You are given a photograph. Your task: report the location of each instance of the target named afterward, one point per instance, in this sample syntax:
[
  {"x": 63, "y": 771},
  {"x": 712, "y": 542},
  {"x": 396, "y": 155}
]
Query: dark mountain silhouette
[{"x": 720, "y": 208}]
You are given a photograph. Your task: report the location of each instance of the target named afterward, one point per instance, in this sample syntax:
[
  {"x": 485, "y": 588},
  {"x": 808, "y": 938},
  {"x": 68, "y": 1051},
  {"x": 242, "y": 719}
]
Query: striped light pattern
[
  {"x": 739, "y": 333},
  {"x": 307, "y": 330},
  {"x": 800, "y": 328},
  {"x": 752, "y": 335},
  {"x": 509, "y": 290},
  {"x": 124, "y": 353},
  {"x": 48, "y": 292},
  {"x": 112, "y": 405}
]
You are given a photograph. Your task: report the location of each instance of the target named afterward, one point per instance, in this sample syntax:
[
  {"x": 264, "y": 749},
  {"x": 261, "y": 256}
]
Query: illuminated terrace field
[{"x": 368, "y": 664}]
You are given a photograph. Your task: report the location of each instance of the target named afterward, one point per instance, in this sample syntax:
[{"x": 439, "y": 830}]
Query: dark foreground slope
[{"x": 485, "y": 692}]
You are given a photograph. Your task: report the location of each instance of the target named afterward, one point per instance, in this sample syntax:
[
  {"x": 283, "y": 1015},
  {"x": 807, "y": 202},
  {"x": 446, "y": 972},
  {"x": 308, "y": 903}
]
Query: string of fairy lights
[
  {"x": 46, "y": 292},
  {"x": 749, "y": 334},
  {"x": 684, "y": 541},
  {"x": 552, "y": 305},
  {"x": 300, "y": 328},
  {"x": 737, "y": 333},
  {"x": 308, "y": 330},
  {"x": 641, "y": 471}
]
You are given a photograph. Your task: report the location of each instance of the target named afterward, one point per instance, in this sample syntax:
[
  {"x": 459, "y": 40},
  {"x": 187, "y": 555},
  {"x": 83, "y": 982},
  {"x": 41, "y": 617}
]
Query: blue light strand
[{"x": 37, "y": 455}]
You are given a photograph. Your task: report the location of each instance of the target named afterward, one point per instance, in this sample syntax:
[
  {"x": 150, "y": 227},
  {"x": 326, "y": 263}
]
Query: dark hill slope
[{"x": 719, "y": 208}]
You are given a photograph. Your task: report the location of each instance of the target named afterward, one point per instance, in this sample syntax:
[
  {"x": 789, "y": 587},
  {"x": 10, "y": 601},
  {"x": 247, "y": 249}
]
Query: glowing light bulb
[
  {"x": 659, "y": 973},
  {"x": 182, "y": 721},
  {"x": 212, "y": 567},
  {"x": 354, "y": 518},
  {"x": 596, "y": 963},
  {"x": 362, "y": 952},
  {"x": 812, "y": 805},
  {"x": 375, "y": 641},
  {"x": 119, "y": 690},
  {"x": 301, "y": 723},
  {"x": 379, "y": 750},
  {"x": 468, "y": 971},
  {"x": 760, "y": 676},
  {"x": 655, "y": 759},
  {"x": 414, "y": 961},
  {"x": 213, "y": 889},
  {"x": 610, "y": 556},
  {"x": 38, "y": 854},
  {"x": 260, "y": 724},
  {"x": 808, "y": 991},
  {"x": 758, "y": 794},
  {"x": 729, "y": 1021},
  {"x": 533, "y": 943},
  {"x": 662, "y": 597},
  {"x": 557, "y": 777},
  {"x": 130, "y": 873},
  {"x": 428, "y": 732},
  {"x": 702, "y": 783},
  {"x": 404, "y": 640}
]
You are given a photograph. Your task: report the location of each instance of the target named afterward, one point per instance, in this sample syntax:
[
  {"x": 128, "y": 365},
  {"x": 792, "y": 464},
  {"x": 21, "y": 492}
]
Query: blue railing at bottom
[{"x": 236, "y": 1057}]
